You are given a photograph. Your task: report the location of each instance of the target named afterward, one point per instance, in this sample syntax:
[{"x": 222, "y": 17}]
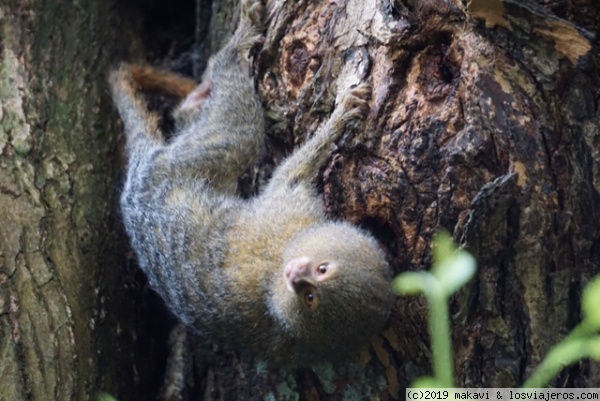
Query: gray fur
[{"x": 216, "y": 259}]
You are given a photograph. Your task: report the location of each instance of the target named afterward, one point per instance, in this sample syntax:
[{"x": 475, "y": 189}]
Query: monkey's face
[
  {"x": 303, "y": 276},
  {"x": 335, "y": 292}
]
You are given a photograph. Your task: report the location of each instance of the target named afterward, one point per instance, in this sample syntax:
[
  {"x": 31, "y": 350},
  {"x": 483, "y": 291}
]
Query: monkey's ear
[
  {"x": 195, "y": 100},
  {"x": 297, "y": 273}
]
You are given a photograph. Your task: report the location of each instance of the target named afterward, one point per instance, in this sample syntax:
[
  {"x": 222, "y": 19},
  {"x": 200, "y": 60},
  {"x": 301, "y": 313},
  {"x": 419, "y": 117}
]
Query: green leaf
[
  {"x": 106, "y": 397},
  {"x": 590, "y": 303},
  {"x": 451, "y": 270},
  {"x": 453, "y": 267},
  {"x": 412, "y": 283},
  {"x": 443, "y": 248},
  {"x": 456, "y": 272}
]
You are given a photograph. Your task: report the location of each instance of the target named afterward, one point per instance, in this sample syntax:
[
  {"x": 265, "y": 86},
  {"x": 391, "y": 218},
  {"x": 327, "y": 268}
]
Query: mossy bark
[{"x": 63, "y": 274}]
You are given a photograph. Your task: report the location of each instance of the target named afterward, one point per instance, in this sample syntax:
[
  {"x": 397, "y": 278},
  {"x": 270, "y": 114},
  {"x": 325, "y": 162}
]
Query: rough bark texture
[
  {"x": 485, "y": 121},
  {"x": 70, "y": 307}
]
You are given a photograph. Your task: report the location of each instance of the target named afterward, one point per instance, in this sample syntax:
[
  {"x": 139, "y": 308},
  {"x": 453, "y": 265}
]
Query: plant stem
[
  {"x": 582, "y": 330},
  {"x": 439, "y": 328},
  {"x": 560, "y": 356}
]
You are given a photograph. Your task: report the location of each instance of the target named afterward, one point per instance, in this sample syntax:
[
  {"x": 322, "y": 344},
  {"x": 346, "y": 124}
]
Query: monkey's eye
[
  {"x": 322, "y": 269},
  {"x": 309, "y": 298}
]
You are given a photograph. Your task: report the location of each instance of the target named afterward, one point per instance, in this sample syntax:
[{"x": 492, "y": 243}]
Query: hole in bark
[
  {"x": 165, "y": 27},
  {"x": 296, "y": 62},
  {"x": 382, "y": 232},
  {"x": 441, "y": 67},
  {"x": 450, "y": 65},
  {"x": 446, "y": 73}
]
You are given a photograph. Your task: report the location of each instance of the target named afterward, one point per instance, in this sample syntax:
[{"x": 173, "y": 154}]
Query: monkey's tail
[
  {"x": 141, "y": 126},
  {"x": 149, "y": 78}
]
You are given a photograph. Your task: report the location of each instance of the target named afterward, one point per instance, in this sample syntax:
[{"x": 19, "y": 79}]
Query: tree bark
[
  {"x": 70, "y": 307},
  {"x": 484, "y": 121}
]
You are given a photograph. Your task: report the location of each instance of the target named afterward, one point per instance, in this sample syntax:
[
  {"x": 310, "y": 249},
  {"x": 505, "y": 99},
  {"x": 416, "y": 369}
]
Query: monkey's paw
[
  {"x": 120, "y": 80},
  {"x": 249, "y": 31},
  {"x": 253, "y": 11},
  {"x": 355, "y": 103}
]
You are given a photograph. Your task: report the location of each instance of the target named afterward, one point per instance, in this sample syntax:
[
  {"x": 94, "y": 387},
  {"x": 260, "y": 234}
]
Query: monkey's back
[{"x": 176, "y": 225}]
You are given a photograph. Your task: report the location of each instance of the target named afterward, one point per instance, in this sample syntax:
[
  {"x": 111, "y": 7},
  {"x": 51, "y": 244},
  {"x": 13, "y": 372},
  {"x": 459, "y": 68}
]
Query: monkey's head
[{"x": 333, "y": 293}]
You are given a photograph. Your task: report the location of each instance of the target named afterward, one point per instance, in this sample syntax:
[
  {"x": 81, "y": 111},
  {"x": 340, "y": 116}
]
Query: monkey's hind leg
[
  {"x": 222, "y": 120},
  {"x": 304, "y": 163},
  {"x": 247, "y": 34},
  {"x": 141, "y": 126}
]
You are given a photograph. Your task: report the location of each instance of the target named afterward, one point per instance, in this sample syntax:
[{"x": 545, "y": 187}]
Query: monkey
[{"x": 270, "y": 275}]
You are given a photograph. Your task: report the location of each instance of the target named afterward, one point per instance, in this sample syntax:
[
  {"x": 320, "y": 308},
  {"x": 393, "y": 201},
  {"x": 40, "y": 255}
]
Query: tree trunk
[
  {"x": 70, "y": 308},
  {"x": 485, "y": 121}
]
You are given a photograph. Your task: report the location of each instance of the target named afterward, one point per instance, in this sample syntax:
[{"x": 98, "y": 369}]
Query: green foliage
[
  {"x": 106, "y": 397},
  {"x": 452, "y": 269}
]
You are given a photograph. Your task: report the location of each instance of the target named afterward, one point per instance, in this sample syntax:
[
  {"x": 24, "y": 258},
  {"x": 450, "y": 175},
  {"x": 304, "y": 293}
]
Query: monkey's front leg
[{"x": 304, "y": 163}]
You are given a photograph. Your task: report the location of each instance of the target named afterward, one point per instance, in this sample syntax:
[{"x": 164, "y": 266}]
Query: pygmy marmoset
[{"x": 270, "y": 274}]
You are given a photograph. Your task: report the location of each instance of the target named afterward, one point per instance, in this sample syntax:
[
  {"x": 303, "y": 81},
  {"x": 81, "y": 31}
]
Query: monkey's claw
[{"x": 355, "y": 102}]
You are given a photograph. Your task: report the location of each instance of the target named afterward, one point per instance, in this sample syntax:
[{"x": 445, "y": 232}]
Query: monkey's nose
[{"x": 296, "y": 272}]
